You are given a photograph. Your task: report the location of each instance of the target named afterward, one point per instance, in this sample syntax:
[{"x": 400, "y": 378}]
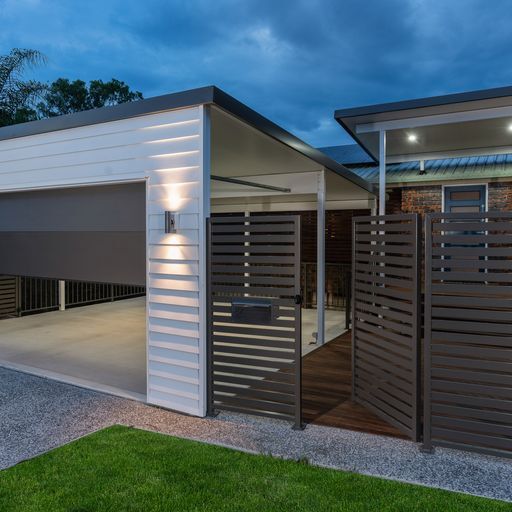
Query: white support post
[
  {"x": 382, "y": 172},
  {"x": 320, "y": 259},
  {"x": 62, "y": 295}
]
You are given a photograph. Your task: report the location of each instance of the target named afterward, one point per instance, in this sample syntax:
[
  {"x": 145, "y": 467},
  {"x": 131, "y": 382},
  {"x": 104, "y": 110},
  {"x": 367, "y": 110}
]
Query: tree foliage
[
  {"x": 26, "y": 100},
  {"x": 18, "y": 97},
  {"x": 65, "y": 97}
]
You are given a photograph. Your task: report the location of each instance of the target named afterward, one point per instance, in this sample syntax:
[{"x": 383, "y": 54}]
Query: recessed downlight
[
  {"x": 412, "y": 137},
  {"x": 509, "y": 127}
]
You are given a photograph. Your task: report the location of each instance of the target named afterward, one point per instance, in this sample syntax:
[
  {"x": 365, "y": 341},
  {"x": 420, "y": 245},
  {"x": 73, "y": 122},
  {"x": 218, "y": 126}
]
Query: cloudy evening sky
[{"x": 295, "y": 61}]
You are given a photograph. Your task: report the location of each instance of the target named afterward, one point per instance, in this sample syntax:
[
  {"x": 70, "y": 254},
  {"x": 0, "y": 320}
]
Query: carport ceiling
[{"x": 239, "y": 150}]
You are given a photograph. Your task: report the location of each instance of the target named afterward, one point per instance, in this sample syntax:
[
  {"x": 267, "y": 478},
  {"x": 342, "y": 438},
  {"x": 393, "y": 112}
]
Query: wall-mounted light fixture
[{"x": 170, "y": 222}]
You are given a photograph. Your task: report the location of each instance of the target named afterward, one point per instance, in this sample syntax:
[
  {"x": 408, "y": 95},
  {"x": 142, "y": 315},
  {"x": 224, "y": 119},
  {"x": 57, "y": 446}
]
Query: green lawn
[{"x": 123, "y": 469}]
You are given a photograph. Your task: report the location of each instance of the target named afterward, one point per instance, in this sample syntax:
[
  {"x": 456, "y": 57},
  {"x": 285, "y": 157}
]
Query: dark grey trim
[
  {"x": 432, "y": 101},
  {"x": 107, "y": 114},
  {"x": 236, "y": 181},
  {"x": 356, "y": 138},
  {"x": 202, "y": 96}
]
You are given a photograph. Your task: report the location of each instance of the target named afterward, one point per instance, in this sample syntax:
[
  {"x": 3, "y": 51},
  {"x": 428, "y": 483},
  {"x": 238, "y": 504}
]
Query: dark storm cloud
[{"x": 294, "y": 61}]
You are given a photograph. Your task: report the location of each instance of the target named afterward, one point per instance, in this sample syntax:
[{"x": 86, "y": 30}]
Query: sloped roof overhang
[{"x": 464, "y": 124}]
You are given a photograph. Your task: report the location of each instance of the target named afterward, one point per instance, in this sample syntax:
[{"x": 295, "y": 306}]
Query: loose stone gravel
[{"x": 37, "y": 415}]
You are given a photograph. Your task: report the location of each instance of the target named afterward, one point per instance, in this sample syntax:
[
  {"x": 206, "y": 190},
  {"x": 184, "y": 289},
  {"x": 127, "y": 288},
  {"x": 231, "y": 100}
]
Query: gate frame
[
  {"x": 428, "y": 445},
  {"x": 416, "y": 393},
  {"x": 298, "y": 424}
]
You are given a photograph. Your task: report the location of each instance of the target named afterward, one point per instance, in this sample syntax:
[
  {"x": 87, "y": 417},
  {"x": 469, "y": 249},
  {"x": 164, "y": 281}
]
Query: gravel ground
[{"x": 38, "y": 414}]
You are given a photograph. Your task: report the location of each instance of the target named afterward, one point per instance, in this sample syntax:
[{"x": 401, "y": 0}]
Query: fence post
[
  {"x": 427, "y": 338},
  {"x": 62, "y": 295}
]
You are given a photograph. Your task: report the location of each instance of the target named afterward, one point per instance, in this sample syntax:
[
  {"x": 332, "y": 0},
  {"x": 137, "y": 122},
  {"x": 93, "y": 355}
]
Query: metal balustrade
[{"x": 39, "y": 295}]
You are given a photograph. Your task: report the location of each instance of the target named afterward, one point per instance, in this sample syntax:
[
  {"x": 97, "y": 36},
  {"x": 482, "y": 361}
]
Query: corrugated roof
[
  {"x": 348, "y": 154},
  {"x": 462, "y": 168}
]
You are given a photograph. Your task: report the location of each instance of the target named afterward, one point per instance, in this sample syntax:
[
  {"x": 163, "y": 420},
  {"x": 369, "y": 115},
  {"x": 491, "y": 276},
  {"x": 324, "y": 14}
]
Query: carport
[
  {"x": 71, "y": 237},
  {"x": 121, "y": 195}
]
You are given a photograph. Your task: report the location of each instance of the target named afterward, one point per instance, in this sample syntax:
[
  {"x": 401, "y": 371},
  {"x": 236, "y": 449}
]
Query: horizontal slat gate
[
  {"x": 8, "y": 296},
  {"x": 386, "y": 320},
  {"x": 255, "y": 320},
  {"x": 468, "y": 332}
]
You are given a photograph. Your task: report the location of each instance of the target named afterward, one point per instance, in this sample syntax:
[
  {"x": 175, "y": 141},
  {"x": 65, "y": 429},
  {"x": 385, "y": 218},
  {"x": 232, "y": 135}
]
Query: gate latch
[{"x": 298, "y": 299}]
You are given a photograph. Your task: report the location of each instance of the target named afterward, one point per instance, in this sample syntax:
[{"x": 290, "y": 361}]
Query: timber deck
[{"x": 326, "y": 391}]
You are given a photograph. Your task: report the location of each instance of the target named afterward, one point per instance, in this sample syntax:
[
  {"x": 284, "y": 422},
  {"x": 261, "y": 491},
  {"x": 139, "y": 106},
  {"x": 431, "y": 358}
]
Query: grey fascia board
[
  {"x": 201, "y": 96},
  {"x": 433, "y": 101},
  {"x": 112, "y": 113}
]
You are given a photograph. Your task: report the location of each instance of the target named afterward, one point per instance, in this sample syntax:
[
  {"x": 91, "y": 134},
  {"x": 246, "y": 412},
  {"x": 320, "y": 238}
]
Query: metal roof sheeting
[
  {"x": 348, "y": 154},
  {"x": 462, "y": 168}
]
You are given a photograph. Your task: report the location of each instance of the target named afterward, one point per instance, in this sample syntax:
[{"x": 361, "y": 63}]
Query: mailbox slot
[{"x": 252, "y": 311}]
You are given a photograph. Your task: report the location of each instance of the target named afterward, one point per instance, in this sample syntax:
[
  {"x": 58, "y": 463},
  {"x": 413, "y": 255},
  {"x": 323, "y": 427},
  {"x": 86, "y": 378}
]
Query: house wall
[
  {"x": 500, "y": 196},
  {"x": 166, "y": 150},
  {"x": 417, "y": 199},
  {"x": 428, "y": 198}
]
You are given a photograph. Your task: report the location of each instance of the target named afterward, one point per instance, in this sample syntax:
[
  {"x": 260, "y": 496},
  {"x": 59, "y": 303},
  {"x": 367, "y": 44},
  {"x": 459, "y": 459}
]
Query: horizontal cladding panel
[
  {"x": 252, "y": 228},
  {"x": 140, "y": 152},
  {"x": 253, "y": 393},
  {"x": 151, "y": 122},
  {"x": 395, "y": 316},
  {"x": 386, "y": 238},
  {"x": 254, "y": 404},
  {"x": 254, "y": 220},
  {"x": 375, "y": 300},
  {"x": 471, "y": 264},
  {"x": 472, "y": 439},
  {"x": 187, "y": 221},
  {"x": 395, "y": 249},
  {"x": 473, "y": 376},
  {"x": 152, "y": 140},
  {"x": 465, "y": 326},
  {"x": 384, "y": 228}
]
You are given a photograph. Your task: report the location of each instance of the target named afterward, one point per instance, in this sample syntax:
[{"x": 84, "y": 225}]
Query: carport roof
[
  {"x": 464, "y": 124},
  {"x": 201, "y": 96}
]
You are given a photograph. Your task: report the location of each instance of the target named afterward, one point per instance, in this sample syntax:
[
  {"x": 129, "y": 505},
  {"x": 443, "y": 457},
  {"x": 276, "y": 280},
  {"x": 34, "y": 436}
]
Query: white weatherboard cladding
[{"x": 166, "y": 150}]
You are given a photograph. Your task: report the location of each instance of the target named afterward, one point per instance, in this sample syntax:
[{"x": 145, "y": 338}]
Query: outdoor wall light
[
  {"x": 170, "y": 222},
  {"x": 412, "y": 137}
]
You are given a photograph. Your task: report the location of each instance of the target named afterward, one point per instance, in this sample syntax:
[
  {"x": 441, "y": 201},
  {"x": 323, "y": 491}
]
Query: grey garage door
[{"x": 94, "y": 233}]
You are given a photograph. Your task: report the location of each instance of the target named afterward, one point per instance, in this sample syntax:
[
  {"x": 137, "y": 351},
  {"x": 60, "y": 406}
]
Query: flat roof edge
[
  {"x": 242, "y": 111},
  {"x": 461, "y": 97},
  {"x": 137, "y": 108}
]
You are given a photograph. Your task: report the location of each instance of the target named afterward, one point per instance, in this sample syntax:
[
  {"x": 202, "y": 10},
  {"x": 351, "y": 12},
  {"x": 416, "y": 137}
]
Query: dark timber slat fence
[
  {"x": 255, "y": 316},
  {"x": 8, "y": 296},
  {"x": 468, "y": 332},
  {"x": 386, "y": 319}
]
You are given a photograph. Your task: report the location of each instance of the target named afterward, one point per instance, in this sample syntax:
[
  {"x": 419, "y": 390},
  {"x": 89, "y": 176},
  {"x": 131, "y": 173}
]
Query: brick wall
[
  {"x": 420, "y": 199},
  {"x": 500, "y": 197},
  {"x": 428, "y": 198}
]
